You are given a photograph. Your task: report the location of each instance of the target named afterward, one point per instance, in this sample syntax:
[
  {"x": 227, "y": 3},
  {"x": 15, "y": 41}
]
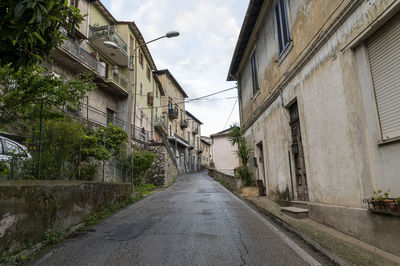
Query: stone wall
[
  {"x": 163, "y": 170},
  {"x": 225, "y": 178},
  {"x": 30, "y": 208}
]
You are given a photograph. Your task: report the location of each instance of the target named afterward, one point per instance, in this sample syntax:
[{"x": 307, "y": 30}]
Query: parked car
[{"x": 8, "y": 148}]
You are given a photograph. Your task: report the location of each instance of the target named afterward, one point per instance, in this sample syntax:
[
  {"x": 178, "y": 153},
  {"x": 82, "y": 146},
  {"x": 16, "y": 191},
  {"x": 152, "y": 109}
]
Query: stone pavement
[{"x": 340, "y": 247}]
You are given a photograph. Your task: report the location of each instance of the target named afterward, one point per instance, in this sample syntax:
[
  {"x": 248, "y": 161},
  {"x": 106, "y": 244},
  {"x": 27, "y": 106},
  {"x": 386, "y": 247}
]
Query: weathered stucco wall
[
  {"x": 29, "y": 208},
  {"x": 343, "y": 160},
  {"x": 326, "y": 70},
  {"x": 224, "y": 154},
  {"x": 227, "y": 179}
]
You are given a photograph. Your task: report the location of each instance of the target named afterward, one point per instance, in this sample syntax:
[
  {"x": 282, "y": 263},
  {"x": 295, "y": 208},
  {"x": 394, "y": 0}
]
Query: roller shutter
[{"x": 384, "y": 57}]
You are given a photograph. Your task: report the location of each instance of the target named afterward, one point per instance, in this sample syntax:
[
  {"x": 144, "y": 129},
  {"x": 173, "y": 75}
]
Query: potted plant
[{"x": 381, "y": 202}]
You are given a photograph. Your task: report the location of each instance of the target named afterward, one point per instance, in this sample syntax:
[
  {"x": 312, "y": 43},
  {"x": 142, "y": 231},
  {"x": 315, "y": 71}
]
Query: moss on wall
[{"x": 30, "y": 208}]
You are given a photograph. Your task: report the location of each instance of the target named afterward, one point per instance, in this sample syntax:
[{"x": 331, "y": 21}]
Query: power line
[
  {"x": 195, "y": 99},
  {"x": 230, "y": 114}
]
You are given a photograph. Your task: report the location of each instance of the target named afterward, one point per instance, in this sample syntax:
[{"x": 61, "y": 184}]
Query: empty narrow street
[{"x": 194, "y": 222}]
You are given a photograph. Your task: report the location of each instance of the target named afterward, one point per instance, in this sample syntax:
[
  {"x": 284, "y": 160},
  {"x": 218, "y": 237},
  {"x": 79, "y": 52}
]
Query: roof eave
[{"x": 249, "y": 22}]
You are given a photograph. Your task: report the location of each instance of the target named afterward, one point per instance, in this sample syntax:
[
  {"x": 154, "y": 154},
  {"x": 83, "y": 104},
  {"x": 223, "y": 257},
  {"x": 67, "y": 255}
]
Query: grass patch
[
  {"x": 145, "y": 189},
  {"x": 94, "y": 218},
  {"x": 226, "y": 185},
  {"x": 170, "y": 183}
]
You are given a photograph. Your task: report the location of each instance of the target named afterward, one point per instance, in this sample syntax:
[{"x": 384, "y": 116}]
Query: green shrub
[{"x": 138, "y": 165}]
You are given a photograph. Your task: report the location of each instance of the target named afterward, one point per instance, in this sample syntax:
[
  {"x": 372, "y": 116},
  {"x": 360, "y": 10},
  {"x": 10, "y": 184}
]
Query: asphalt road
[{"x": 194, "y": 222}]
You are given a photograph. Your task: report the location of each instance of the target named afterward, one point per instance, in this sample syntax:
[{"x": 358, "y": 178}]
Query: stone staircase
[{"x": 296, "y": 209}]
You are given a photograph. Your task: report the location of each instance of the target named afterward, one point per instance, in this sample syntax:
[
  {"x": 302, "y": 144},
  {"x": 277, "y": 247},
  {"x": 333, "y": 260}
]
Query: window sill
[
  {"x": 283, "y": 56},
  {"x": 389, "y": 141},
  {"x": 255, "y": 96}
]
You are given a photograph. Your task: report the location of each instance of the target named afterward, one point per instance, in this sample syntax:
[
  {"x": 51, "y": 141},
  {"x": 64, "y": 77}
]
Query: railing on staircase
[{"x": 166, "y": 144}]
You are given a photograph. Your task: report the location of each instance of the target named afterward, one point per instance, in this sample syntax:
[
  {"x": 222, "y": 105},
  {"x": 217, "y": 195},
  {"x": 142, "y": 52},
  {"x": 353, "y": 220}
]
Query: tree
[
  {"x": 236, "y": 137},
  {"x": 22, "y": 92},
  {"x": 30, "y": 29}
]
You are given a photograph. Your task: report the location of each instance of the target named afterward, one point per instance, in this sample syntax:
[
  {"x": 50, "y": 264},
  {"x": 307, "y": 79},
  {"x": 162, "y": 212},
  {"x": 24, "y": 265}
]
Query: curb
[{"x": 341, "y": 255}]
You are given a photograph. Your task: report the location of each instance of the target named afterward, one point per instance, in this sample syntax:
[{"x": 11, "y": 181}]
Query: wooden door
[{"x": 298, "y": 154}]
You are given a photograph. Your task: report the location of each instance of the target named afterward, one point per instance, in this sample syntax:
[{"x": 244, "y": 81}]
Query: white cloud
[{"x": 199, "y": 59}]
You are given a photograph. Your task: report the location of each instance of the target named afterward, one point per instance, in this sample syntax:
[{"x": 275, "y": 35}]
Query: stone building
[{"x": 319, "y": 91}]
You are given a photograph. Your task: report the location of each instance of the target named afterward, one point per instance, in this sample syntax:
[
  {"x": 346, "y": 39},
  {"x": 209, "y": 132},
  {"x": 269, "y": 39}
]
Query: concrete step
[
  {"x": 299, "y": 204},
  {"x": 295, "y": 212}
]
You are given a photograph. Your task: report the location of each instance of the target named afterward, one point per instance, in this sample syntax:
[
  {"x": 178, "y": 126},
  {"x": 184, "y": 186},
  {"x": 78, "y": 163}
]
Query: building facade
[
  {"x": 195, "y": 150},
  {"x": 319, "y": 90},
  {"x": 223, "y": 152},
  {"x": 171, "y": 113},
  {"x": 206, "y": 155}
]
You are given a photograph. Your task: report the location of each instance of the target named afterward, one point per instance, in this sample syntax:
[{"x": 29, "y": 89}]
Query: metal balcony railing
[
  {"x": 119, "y": 78},
  {"x": 160, "y": 122},
  {"x": 184, "y": 123},
  {"x": 141, "y": 134},
  {"x": 173, "y": 113},
  {"x": 80, "y": 53},
  {"x": 108, "y": 32}
]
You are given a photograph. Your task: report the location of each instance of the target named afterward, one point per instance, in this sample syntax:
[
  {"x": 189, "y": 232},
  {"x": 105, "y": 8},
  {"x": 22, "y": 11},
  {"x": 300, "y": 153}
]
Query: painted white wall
[{"x": 224, "y": 154}]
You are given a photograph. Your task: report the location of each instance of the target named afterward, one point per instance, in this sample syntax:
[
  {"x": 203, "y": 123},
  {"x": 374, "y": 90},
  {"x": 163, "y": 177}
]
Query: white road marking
[{"x": 301, "y": 252}]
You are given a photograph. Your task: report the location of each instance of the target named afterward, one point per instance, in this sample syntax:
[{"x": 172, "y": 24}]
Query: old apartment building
[
  {"x": 88, "y": 50},
  {"x": 319, "y": 90},
  {"x": 195, "y": 150}
]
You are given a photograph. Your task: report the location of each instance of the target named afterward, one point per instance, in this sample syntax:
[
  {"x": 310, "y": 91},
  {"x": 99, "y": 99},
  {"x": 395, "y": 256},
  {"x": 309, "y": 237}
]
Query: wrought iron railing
[
  {"x": 119, "y": 78},
  {"x": 78, "y": 52},
  {"x": 160, "y": 121}
]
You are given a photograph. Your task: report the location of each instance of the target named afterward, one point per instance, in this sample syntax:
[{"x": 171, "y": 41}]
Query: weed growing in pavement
[{"x": 145, "y": 189}]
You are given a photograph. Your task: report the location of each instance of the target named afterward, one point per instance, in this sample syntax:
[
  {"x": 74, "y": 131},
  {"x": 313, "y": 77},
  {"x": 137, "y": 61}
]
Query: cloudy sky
[{"x": 200, "y": 57}]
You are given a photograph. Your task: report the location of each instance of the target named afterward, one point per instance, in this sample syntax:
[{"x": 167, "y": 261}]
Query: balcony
[
  {"x": 112, "y": 80},
  {"x": 74, "y": 57},
  {"x": 173, "y": 113},
  {"x": 184, "y": 123},
  {"x": 97, "y": 37},
  {"x": 160, "y": 126},
  {"x": 181, "y": 142},
  {"x": 195, "y": 131}
]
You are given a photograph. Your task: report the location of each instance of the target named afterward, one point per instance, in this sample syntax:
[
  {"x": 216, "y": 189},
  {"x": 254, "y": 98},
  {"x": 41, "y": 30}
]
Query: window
[
  {"x": 130, "y": 43},
  {"x": 188, "y": 137},
  {"x": 383, "y": 52},
  {"x": 176, "y": 94},
  {"x": 141, "y": 58},
  {"x": 254, "y": 74},
  {"x": 148, "y": 73},
  {"x": 14, "y": 149},
  {"x": 110, "y": 116},
  {"x": 141, "y": 88},
  {"x": 282, "y": 28},
  {"x": 169, "y": 104},
  {"x": 1, "y": 147}
]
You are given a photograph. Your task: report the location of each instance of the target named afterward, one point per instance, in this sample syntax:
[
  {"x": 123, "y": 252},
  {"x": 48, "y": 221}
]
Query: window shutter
[
  {"x": 150, "y": 99},
  {"x": 384, "y": 56}
]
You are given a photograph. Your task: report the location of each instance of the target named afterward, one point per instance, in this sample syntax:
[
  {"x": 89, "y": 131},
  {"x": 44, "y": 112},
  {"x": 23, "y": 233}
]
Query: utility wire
[
  {"x": 195, "y": 99},
  {"x": 230, "y": 114}
]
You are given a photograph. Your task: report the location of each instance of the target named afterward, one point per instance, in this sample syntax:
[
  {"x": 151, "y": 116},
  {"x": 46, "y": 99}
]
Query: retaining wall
[
  {"x": 226, "y": 178},
  {"x": 29, "y": 208}
]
